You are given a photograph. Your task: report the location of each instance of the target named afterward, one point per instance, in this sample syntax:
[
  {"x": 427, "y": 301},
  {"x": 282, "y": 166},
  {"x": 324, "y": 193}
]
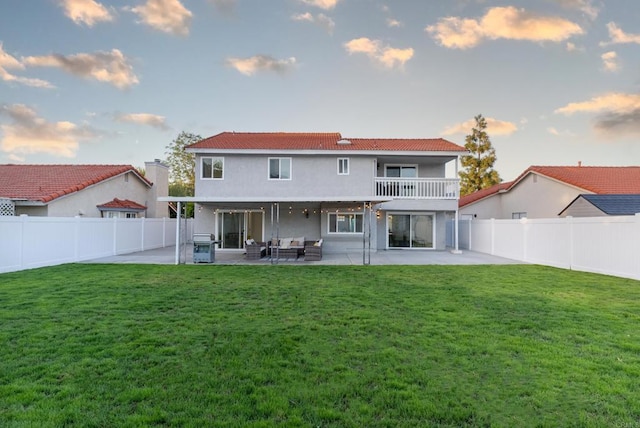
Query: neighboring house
[
  {"x": 545, "y": 191},
  {"x": 83, "y": 190},
  {"x": 389, "y": 193},
  {"x": 602, "y": 205}
]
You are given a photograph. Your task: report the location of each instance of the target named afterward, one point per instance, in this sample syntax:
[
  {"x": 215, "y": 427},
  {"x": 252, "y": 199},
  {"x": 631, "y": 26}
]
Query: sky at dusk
[{"x": 88, "y": 81}]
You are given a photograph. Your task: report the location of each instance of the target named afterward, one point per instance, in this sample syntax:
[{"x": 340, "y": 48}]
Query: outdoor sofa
[{"x": 292, "y": 248}]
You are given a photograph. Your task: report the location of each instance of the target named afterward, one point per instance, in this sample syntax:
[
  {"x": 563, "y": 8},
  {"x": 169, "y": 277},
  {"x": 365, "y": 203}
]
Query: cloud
[
  {"x": 618, "y": 113},
  {"x": 252, "y": 65},
  {"x": 110, "y": 67},
  {"x": 584, "y": 6},
  {"x": 572, "y": 47},
  {"x": 322, "y": 4},
  {"x": 494, "y": 127},
  {"x": 610, "y": 61},
  {"x": 224, "y": 6},
  {"x": 553, "y": 131},
  {"x": 28, "y": 134},
  {"x": 613, "y": 101},
  {"x": 391, "y": 23},
  {"x": 501, "y": 23},
  {"x": 385, "y": 55},
  {"x": 618, "y": 36},
  {"x": 87, "y": 12},
  {"x": 148, "y": 119},
  {"x": 169, "y": 16},
  {"x": 320, "y": 20},
  {"x": 9, "y": 62}
]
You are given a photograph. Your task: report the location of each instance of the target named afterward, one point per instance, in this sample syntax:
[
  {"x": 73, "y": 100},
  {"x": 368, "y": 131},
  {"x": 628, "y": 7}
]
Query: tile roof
[
  {"x": 45, "y": 183},
  {"x": 320, "y": 141},
  {"x": 615, "y": 204},
  {"x": 595, "y": 179},
  {"x": 480, "y": 194},
  {"x": 122, "y": 204}
]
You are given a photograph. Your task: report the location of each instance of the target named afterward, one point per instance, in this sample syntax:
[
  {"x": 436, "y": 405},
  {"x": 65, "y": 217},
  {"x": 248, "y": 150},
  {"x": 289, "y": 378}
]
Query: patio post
[
  {"x": 456, "y": 233},
  {"x": 177, "y": 261}
]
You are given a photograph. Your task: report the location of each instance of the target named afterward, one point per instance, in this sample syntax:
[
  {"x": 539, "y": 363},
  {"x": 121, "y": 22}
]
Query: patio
[{"x": 386, "y": 257}]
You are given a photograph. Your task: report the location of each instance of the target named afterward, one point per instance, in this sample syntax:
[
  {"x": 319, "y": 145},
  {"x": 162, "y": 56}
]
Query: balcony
[{"x": 417, "y": 188}]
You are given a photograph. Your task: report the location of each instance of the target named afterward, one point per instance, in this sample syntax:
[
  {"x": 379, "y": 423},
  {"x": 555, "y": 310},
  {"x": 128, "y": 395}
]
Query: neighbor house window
[
  {"x": 119, "y": 214},
  {"x": 279, "y": 168},
  {"x": 345, "y": 223},
  {"x": 212, "y": 168},
  {"x": 343, "y": 166},
  {"x": 518, "y": 215}
]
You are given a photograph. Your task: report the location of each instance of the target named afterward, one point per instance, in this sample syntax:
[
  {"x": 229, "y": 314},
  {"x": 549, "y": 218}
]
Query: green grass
[{"x": 328, "y": 346}]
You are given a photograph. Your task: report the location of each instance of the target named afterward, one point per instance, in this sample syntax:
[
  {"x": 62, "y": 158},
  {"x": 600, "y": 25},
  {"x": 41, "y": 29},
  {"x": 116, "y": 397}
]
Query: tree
[
  {"x": 182, "y": 164},
  {"x": 182, "y": 167},
  {"x": 478, "y": 172}
]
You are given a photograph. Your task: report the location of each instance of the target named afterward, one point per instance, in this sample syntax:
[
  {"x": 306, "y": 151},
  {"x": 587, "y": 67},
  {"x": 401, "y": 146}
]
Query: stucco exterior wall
[
  {"x": 247, "y": 176},
  {"x": 84, "y": 202},
  {"x": 538, "y": 196},
  {"x": 583, "y": 208},
  {"x": 487, "y": 208}
]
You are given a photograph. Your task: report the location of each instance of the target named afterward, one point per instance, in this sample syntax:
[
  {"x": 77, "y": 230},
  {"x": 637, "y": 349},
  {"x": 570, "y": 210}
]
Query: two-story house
[{"x": 349, "y": 192}]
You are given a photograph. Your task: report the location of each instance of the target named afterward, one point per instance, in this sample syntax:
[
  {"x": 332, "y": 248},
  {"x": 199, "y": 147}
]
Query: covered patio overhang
[{"x": 367, "y": 204}]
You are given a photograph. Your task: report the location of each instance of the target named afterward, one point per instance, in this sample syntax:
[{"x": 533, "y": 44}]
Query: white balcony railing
[{"x": 417, "y": 188}]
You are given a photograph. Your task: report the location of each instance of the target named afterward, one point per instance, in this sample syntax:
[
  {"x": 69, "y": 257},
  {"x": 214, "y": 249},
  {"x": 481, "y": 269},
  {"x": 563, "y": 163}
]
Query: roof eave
[
  {"x": 213, "y": 199},
  {"x": 342, "y": 152}
]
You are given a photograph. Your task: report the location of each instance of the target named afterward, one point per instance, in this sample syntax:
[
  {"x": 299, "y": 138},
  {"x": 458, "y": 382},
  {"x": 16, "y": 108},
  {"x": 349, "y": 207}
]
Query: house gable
[
  {"x": 45, "y": 183},
  {"x": 599, "y": 205}
]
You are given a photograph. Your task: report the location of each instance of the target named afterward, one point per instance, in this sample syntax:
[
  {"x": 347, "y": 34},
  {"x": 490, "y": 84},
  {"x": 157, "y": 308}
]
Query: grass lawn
[{"x": 327, "y": 346}]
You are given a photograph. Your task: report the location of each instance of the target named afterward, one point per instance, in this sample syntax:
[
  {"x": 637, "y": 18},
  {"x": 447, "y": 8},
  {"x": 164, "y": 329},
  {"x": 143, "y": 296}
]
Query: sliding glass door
[
  {"x": 410, "y": 230},
  {"x": 235, "y": 227},
  {"x": 231, "y": 229}
]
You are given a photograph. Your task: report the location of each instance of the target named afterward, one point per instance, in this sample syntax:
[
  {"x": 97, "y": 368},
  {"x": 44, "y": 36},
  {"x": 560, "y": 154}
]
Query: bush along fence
[
  {"x": 29, "y": 242},
  {"x": 607, "y": 245}
]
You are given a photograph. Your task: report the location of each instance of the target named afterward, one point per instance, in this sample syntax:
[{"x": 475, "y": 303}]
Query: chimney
[
  {"x": 579, "y": 163},
  {"x": 158, "y": 174}
]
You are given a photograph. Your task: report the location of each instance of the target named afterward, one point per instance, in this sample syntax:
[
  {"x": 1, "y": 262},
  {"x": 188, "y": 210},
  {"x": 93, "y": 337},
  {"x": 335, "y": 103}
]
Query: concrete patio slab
[{"x": 384, "y": 257}]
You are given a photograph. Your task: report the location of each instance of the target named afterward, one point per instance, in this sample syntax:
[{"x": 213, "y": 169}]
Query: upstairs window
[
  {"x": 279, "y": 168},
  {"x": 212, "y": 168},
  {"x": 343, "y": 166}
]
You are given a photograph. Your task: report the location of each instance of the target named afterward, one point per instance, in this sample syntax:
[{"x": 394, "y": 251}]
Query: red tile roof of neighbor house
[
  {"x": 603, "y": 180},
  {"x": 122, "y": 204},
  {"x": 480, "y": 194},
  {"x": 45, "y": 183},
  {"x": 320, "y": 141}
]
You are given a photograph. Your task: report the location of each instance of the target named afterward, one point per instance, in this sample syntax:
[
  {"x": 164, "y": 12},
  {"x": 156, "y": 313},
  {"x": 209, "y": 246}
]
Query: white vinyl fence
[
  {"x": 607, "y": 245},
  {"x": 28, "y": 242}
]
